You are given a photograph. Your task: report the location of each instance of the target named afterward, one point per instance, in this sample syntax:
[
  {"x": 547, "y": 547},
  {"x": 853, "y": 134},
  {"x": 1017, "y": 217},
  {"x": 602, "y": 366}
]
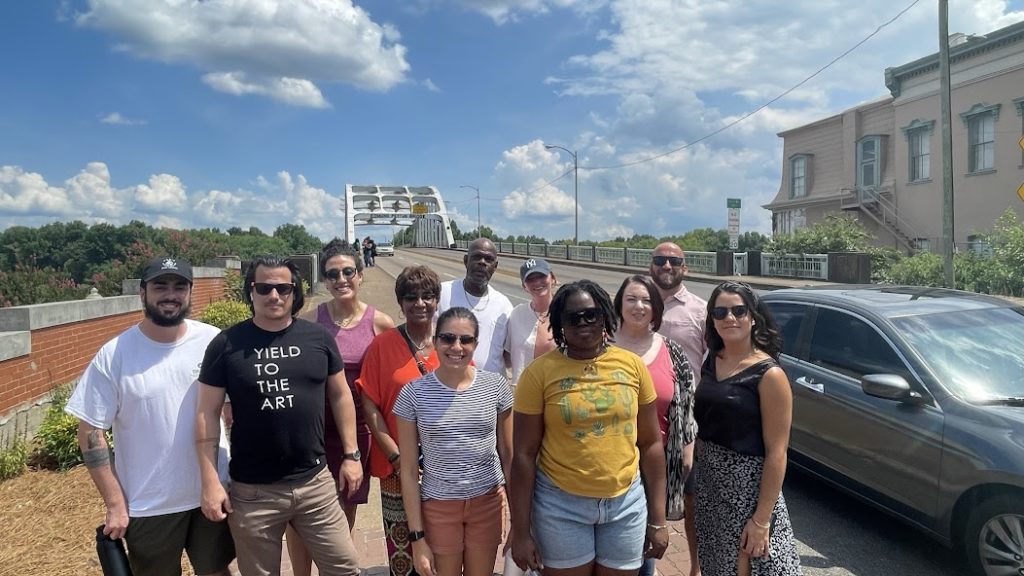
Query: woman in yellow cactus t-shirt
[{"x": 585, "y": 430}]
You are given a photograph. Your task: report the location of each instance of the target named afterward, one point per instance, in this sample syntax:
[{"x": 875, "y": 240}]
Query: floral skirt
[{"x": 396, "y": 527}]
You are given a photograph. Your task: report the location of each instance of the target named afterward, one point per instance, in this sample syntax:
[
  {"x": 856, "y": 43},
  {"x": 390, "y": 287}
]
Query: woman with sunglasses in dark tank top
[
  {"x": 744, "y": 409},
  {"x": 353, "y": 324}
]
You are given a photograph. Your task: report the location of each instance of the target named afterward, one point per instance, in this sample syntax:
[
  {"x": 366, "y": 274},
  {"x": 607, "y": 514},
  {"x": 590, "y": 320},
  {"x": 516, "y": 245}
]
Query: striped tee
[{"x": 458, "y": 433}]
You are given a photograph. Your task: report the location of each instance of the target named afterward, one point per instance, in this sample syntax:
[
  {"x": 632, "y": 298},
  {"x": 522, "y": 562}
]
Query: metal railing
[
  {"x": 806, "y": 266},
  {"x": 809, "y": 266}
]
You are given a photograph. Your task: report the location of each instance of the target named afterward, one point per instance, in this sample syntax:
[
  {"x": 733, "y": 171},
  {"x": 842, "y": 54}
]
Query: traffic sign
[
  {"x": 1020, "y": 192},
  {"x": 1021, "y": 142},
  {"x": 735, "y": 202},
  {"x": 420, "y": 208}
]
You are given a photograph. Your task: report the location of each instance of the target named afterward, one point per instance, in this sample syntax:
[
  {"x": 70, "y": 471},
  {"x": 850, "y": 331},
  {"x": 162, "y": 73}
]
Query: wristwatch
[
  {"x": 417, "y": 535},
  {"x": 357, "y": 455}
]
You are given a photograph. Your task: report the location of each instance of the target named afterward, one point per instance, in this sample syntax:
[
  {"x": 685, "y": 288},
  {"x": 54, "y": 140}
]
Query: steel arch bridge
[{"x": 419, "y": 206}]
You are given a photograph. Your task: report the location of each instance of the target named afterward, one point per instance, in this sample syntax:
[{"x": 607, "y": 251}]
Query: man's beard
[
  {"x": 153, "y": 312},
  {"x": 675, "y": 282}
]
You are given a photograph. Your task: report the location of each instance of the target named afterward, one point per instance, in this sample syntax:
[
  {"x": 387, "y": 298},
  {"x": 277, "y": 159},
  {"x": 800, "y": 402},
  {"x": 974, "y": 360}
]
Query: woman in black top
[{"x": 744, "y": 409}]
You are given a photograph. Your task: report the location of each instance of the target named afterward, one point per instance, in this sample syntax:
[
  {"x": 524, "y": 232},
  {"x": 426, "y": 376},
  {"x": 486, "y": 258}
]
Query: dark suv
[{"x": 913, "y": 399}]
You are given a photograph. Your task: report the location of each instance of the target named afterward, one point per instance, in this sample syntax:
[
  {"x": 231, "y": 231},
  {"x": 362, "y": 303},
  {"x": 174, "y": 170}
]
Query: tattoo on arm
[
  {"x": 95, "y": 439},
  {"x": 96, "y": 458}
]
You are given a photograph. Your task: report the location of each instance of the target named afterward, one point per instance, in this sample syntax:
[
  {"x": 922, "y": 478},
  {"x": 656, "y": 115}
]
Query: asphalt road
[{"x": 838, "y": 535}]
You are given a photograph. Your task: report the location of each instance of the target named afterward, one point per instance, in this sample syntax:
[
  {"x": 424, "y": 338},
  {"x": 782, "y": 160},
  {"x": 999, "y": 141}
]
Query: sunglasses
[
  {"x": 720, "y": 312},
  {"x": 264, "y": 289},
  {"x": 585, "y": 316},
  {"x": 675, "y": 261},
  {"x": 425, "y": 296},
  {"x": 448, "y": 339},
  {"x": 336, "y": 273}
]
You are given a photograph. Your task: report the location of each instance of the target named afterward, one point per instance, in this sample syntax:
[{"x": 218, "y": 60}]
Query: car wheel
[{"x": 994, "y": 538}]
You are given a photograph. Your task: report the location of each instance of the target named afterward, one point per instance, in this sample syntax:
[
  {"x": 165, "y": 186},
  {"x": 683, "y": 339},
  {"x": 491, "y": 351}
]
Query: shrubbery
[
  {"x": 13, "y": 459},
  {"x": 58, "y": 434},
  {"x": 225, "y": 313}
]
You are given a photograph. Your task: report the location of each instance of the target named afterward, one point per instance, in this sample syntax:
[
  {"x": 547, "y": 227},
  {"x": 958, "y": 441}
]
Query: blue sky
[{"x": 222, "y": 113}]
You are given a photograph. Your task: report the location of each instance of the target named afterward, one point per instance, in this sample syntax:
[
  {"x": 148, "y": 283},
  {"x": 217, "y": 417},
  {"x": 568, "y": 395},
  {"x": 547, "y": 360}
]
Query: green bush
[
  {"x": 13, "y": 460},
  {"x": 58, "y": 434},
  {"x": 225, "y": 313},
  {"x": 922, "y": 269},
  {"x": 233, "y": 285}
]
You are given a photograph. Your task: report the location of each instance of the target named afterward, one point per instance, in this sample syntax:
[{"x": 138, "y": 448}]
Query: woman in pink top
[
  {"x": 353, "y": 323},
  {"x": 639, "y": 307}
]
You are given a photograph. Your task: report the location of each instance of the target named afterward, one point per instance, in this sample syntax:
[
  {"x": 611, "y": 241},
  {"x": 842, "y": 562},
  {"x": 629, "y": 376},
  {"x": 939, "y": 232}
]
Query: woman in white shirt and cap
[{"x": 529, "y": 333}]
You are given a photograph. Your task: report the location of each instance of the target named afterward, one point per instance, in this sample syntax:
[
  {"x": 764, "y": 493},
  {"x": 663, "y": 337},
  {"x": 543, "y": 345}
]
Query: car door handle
[{"x": 808, "y": 383}]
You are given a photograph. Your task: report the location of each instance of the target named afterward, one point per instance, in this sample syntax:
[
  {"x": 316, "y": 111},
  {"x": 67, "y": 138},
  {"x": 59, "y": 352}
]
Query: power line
[{"x": 761, "y": 107}]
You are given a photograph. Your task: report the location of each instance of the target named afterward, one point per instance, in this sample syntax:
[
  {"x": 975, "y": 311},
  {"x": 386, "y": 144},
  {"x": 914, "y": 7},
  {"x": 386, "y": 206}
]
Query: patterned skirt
[
  {"x": 728, "y": 484},
  {"x": 396, "y": 527}
]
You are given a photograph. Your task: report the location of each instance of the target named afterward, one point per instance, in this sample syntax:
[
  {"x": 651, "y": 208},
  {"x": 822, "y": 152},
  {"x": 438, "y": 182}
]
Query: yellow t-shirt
[{"x": 590, "y": 409}]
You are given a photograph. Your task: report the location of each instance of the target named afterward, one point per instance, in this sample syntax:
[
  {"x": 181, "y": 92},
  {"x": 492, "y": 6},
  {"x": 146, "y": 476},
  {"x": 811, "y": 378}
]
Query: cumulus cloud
[
  {"x": 118, "y": 119},
  {"x": 28, "y": 193},
  {"x": 278, "y": 48},
  {"x": 164, "y": 193}
]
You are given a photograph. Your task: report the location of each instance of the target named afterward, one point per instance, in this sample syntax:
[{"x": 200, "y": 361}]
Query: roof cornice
[{"x": 894, "y": 76}]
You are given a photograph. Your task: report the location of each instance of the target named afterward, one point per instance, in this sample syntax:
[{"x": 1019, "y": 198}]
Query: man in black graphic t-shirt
[{"x": 275, "y": 369}]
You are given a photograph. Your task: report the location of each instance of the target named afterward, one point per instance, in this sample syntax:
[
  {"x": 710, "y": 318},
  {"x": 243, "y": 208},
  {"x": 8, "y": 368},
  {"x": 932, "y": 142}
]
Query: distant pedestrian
[
  {"x": 143, "y": 385},
  {"x": 282, "y": 374},
  {"x": 461, "y": 418},
  {"x": 744, "y": 411},
  {"x": 395, "y": 358}
]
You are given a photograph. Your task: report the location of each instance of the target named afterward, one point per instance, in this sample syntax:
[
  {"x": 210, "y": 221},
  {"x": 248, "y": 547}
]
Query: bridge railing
[{"x": 807, "y": 266}]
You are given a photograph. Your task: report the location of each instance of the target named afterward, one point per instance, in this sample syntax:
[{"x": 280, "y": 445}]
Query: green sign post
[{"x": 732, "y": 203}]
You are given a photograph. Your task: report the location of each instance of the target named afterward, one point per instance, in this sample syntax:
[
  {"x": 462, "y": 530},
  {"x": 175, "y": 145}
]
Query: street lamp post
[
  {"x": 576, "y": 186},
  {"x": 479, "y": 227}
]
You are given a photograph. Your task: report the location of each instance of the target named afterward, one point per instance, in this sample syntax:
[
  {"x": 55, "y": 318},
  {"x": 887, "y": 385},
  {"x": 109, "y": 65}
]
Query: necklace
[
  {"x": 342, "y": 322},
  {"x": 590, "y": 368},
  {"x": 480, "y": 300},
  {"x": 541, "y": 317}
]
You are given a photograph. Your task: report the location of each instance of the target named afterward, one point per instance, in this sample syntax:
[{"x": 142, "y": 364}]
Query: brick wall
[{"x": 63, "y": 338}]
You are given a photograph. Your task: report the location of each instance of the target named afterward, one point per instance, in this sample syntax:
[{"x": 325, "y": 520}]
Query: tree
[{"x": 297, "y": 239}]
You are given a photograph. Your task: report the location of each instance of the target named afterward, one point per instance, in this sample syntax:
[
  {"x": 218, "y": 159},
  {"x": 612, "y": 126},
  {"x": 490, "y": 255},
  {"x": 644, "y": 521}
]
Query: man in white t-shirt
[
  {"x": 491, "y": 308},
  {"x": 143, "y": 385}
]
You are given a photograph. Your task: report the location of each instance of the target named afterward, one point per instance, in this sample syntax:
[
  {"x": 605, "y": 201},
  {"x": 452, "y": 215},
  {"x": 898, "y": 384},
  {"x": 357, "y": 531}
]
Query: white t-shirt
[
  {"x": 458, "y": 433},
  {"x": 492, "y": 311},
  {"x": 522, "y": 338},
  {"x": 147, "y": 392}
]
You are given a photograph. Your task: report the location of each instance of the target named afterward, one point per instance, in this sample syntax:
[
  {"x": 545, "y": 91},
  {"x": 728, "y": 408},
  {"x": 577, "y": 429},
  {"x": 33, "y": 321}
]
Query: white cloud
[
  {"x": 510, "y": 11},
  {"x": 118, "y": 119},
  {"x": 165, "y": 193},
  {"x": 28, "y": 193},
  {"x": 277, "y": 48},
  {"x": 429, "y": 85},
  {"x": 294, "y": 91}
]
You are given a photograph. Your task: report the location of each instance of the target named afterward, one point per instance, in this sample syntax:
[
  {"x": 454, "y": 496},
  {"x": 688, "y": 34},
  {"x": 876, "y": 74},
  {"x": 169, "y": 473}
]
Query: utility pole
[
  {"x": 479, "y": 226},
  {"x": 576, "y": 186},
  {"x": 945, "y": 91}
]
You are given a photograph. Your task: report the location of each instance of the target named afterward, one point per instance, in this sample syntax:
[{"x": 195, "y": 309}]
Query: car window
[
  {"x": 846, "y": 344},
  {"x": 789, "y": 316}
]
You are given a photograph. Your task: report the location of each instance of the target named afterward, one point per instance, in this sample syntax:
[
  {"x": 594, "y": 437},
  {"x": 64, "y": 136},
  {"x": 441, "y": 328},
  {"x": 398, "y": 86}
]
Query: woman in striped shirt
[{"x": 460, "y": 417}]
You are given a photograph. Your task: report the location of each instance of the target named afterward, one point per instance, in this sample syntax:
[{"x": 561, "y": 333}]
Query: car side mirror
[{"x": 889, "y": 387}]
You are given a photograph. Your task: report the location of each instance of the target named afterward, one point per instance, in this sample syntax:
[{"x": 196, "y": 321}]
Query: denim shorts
[{"x": 572, "y": 530}]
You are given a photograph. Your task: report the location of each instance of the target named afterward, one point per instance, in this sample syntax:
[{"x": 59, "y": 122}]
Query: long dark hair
[
  {"x": 601, "y": 298},
  {"x": 298, "y": 298},
  {"x": 657, "y": 304},
  {"x": 764, "y": 334}
]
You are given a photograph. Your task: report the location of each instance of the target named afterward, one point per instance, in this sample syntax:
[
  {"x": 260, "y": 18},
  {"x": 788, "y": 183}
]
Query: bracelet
[
  {"x": 394, "y": 457},
  {"x": 759, "y": 525},
  {"x": 657, "y": 526}
]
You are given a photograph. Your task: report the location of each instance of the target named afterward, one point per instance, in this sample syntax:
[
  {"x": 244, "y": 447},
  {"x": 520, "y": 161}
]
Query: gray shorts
[{"x": 155, "y": 543}]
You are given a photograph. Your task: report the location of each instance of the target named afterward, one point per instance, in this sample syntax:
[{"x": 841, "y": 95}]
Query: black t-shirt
[
  {"x": 728, "y": 413},
  {"x": 277, "y": 382}
]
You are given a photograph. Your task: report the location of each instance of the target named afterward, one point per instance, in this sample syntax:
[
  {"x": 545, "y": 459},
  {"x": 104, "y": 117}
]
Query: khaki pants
[{"x": 262, "y": 511}]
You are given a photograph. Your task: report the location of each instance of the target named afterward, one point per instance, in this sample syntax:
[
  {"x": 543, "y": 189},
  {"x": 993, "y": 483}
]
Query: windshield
[{"x": 976, "y": 354}]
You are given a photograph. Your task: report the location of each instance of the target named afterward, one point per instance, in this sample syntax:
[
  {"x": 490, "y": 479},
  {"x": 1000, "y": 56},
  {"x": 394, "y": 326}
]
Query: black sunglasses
[
  {"x": 336, "y": 273},
  {"x": 585, "y": 316},
  {"x": 720, "y": 312},
  {"x": 425, "y": 296},
  {"x": 264, "y": 289},
  {"x": 675, "y": 261},
  {"x": 448, "y": 339}
]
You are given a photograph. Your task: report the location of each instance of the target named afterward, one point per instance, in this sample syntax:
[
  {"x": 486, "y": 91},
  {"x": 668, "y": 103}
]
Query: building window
[
  {"x": 981, "y": 137},
  {"x": 922, "y": 244},
  {"x": 869, "y": 161},
  {"x": 799, "y": 172},
  {"x": 789, "y": 221},
  {"x": 919, "y": 146}
]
